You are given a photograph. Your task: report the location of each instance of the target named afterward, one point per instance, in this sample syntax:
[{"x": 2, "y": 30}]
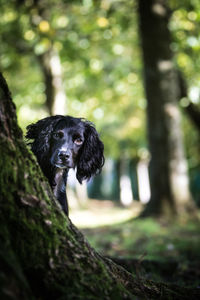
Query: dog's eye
[
  {"x": 58, "y": 135},
  {"x": 78, "y": 141}
]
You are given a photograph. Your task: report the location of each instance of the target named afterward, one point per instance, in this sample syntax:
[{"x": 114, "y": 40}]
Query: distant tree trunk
[
  {"x": 56, "y": 100},
  {"x": 170, "y": 193},
  {"x": 191, "y": 109},
  {"x": 143, "y": 181},
  {"x": 126, "y": 195},
  {"x": 193, "y": 112}
]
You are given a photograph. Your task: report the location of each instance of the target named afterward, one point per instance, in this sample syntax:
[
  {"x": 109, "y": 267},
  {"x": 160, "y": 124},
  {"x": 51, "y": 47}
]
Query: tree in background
[
  {"x": 39, "y": 13},
  {"x": 32, "y": 35},
  {"x": 168, "y": 170}
]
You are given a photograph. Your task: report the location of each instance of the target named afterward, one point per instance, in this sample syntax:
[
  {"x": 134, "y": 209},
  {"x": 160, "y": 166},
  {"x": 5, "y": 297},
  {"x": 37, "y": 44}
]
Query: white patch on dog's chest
[{"x": 59, "y": 182}]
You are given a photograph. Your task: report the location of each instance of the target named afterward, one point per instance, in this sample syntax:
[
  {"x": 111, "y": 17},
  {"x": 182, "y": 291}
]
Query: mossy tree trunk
[
  {"x": 42, "y": 255},
  {"x": 169, "y": 182}
]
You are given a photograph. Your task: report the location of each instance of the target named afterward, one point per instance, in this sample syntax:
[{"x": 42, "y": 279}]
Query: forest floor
[{"x": 150, "y": 248}]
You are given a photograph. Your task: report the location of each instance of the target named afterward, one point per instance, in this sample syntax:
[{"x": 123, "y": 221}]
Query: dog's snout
[{"x": 63, "y": 155}]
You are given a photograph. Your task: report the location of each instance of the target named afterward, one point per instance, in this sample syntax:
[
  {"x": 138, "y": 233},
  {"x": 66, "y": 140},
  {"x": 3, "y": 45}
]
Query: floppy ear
[
  {"x": 40, "y": 133},
  {"x": 91, "y": 159}
]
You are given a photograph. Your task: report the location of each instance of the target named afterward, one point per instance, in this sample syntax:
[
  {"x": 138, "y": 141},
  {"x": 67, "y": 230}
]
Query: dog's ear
[
  {"x": 90, "y": 159},
  {"x": 40, "y": 134}
]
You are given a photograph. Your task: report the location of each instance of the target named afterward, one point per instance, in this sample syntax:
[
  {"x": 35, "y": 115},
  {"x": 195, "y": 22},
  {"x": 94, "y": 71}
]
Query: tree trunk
[
  {"x": 126, "y": 195},
  {"x": 170, "y": 193},
  {"x": 191, "y": 109},
  {"x": 56, "y": 100},
  {"x": 42, "y": 255}
]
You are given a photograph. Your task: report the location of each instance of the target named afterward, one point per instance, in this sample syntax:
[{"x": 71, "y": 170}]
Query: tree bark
[
  {"x": 42, "y": 254},
  {"x": 169, "y": 182}
]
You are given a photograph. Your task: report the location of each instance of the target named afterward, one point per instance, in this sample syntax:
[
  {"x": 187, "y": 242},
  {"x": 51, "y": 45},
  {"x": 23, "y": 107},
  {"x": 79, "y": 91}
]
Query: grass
[{"x": 154, "y": 249}]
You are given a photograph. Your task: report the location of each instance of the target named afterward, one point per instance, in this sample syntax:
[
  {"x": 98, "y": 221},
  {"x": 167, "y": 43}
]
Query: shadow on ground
[{"x": 149, "y": 248}]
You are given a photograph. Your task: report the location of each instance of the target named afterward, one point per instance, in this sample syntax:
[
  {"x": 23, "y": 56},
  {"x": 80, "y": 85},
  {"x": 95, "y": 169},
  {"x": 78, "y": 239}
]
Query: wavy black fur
[{"x": 87, "y": 158}]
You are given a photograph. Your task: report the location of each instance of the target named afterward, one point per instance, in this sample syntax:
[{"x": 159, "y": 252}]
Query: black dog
[{"x": 64, "y": 142}]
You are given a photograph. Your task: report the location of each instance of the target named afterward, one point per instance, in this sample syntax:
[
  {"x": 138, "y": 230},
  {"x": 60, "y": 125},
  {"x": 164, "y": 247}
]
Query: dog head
[{"x": 66, "y": 142}]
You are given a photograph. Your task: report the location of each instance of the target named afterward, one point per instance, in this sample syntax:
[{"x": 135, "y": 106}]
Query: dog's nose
[{"x": 63, "y": 155}]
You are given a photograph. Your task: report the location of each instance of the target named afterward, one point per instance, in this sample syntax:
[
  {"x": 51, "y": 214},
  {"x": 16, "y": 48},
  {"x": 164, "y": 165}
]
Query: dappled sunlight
[
  {"x": 155, "y": 249},
  {"x": 102, "y": 213}
]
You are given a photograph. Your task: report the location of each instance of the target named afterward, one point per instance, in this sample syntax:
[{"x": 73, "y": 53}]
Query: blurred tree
[
  {"x": 168, "y": 171},
  {"x": 191, "y": 109},
  {"x": 184, "y": 26},
  {"x": 56, "y": 100},
  {"x": 39, "y": 25}
]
